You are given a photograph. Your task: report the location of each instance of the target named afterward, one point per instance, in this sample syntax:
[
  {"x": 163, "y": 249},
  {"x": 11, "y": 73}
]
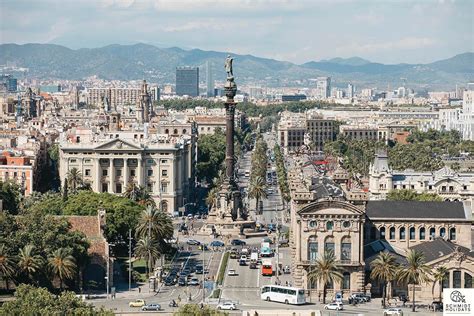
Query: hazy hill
[{"x": 127, "y": 62}]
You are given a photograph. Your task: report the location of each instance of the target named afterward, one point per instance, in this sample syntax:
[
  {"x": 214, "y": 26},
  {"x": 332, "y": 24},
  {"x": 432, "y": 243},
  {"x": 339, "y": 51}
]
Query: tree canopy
[
  {"x": 211, "y": 154},
  {"x": 412, "y": 195}
]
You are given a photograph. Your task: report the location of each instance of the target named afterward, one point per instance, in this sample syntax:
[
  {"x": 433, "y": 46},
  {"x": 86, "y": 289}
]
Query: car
[
  {"x": 286, "y": 269},
  {"x": 359, "y": 297},
  {"x": 243, "y": 257},
  {"x": 334, "y": 306},
  {"x": 201, "y": 246},
  {"x": 216, "y": 243},
  {"x": 192, "y": 242},
  {"x": 238, "y": 242},
  {"x": 182, "y": 281},
  {"x": 227, "y": 306},
  {"x": 137, "y": 303},
  {"x": 190, "y": 216},
  {"x": 268, "y": 240},
  {"x": 197, "y": 216},
  {"x": 242, "y": 262},
  {"x": 171, "y": 241},
  {"x": 233, "y": 253},
  {"x": 170, "y": 281},
  {"x": 232, "y": 272},
  {"x": 194, "y": 281},
  {"x": 437, "y": 306},
  {"x": 393, "y": 311},
  {"x": 151, "y": 307},
  {"x": 199, "y": 270}
]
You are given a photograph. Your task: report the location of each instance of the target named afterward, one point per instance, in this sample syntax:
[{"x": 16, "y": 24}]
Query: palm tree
[
  {"x": 211, "y": 196},
  {"x": 147, "y": 249},
  {"x": 7, "y": 270},
  {"x": 257, "y": 190},
  {"x": 28, "y": 262},
  {"x": 131, "y": 191},
  {"x": 154, "y": 224},
  {"x": 326, "y": 270},
  {"x": 415, "y": 271},
  {"x": 440, "y": 274},
  {"x": 144, "y": 198},
  {"x": 62, "y": 265},
  {"x": 74, "y": 179},
  {"x": 384, "y": 269}
]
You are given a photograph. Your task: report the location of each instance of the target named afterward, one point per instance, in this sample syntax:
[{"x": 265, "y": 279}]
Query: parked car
[
  {"x": 217, "y": 243},
  {"x": 393, "y": 311},
  {"x": 231, "y": 272},
  {"x": 151, "y": 307},
  {"x": 182, "y": 281},
  {"x": 437, "y": 306},
  {"x": 199, "y": 270},
  {"x": 238, "y": 242},
  {"x": 227, "y": 306},
  {"x": 334, "y": 306},
  {"x": 194, "y": 281},
  {"x": 193, "y": 242},
  {"x": 137, "y": 303}
]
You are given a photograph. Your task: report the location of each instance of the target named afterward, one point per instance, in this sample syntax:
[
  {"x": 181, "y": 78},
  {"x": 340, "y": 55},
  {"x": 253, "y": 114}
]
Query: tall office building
[
  {"x": 187, "y": 81},
  {"x": 155, "y": 93},
  {"x": 350, "y": 91},
  {"x": 323, "y": 87},
  {"x": 209, "y": 80}
]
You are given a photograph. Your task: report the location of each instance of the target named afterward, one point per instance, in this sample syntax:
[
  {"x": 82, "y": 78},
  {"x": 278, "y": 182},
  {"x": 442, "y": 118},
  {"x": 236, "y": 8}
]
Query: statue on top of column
[{"x": 228, "y": 67}]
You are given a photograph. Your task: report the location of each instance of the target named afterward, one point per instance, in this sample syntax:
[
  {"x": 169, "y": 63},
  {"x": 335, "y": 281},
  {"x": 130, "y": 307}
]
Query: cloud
[
  {"x": 371, "y": 18},
  {"x": 407, "y": 43}
]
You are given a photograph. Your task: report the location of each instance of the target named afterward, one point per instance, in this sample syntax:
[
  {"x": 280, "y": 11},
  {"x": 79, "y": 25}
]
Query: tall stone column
[
  {"x": 125, "y": 173},
  {"x": 140, "y": 171},
  {"x": 97, "y": 175},
  {"x": 111, "y": 175},
  {"x": 229, "y": 156}
]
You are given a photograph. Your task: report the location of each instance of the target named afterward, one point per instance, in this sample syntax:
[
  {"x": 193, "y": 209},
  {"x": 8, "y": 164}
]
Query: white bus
[{"x": 283, "y": 294}]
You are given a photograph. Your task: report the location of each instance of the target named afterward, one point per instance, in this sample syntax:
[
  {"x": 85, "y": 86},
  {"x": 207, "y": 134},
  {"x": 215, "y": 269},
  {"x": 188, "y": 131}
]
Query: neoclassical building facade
[
  {"x": 447, "y": 183},
  {"x": 163, "y": 165}
]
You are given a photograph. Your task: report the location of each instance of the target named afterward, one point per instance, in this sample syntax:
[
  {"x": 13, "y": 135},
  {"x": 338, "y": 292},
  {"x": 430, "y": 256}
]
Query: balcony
[{"x": 340, "y": 262}]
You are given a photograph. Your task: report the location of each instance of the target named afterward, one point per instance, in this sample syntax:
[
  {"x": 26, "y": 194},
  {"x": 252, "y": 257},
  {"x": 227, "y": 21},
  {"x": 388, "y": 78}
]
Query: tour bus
[
  {"x": 283, "y": 294},
  {"x": 267, "y": 268}
]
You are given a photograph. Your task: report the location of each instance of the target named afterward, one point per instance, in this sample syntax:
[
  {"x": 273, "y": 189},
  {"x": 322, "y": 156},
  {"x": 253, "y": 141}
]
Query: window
[
  {"x": 15, "y": 174},
  {"x": 149, "y": 161},
  {"x": 312, "y": 249},
  {"x": 132, "y": 172},
  {"x": 118, "y": 172},
  {"x": 164, "y": 206},
  {"x": 104, "y": 172},
  {"x": 346, "y": 249},
  {"x": 164, "y": 173},
  {"x": 105, "y": 187},
  {"x": 175, "y": 131},
  {"x": 402, "y": 233},
  {"x": 346, "y": 281},
  {"x": 445, "y": 283},
  {"x": 464, "y": 187},
  {"x": 312, "y": 224},
  {"x": 72, "y": 161},
  {"x": 118, "y": 188},
  {"x": 452, "y": 233},
  {"x": 329, "y": 225},
  {"x": 87, "y": 172},
  {"x": 164, "y": 187},
  {"x": 456, "y": 279},
  {"x": 392, "y": 233},
  {"x": 467, "y": 280},
  {"x": 430, "y": 187},
  {"x": 442, "y": 232},
  {"x": 150, "y": 172},
  {"x": 432, "y": 232},
  {"x": 422, "y": 233},
  {"x": 346, "y": 224},
  {"x": 412, "y": 233},
  {"x": 164, "y": 161},
  {"x": 451, "y": 188},
  {"x": 443, "y": 188},
  {"x": 382, "y": 232},
  {"x": 329, "y": 245},
  {"x": 184, "y": 131},
  {"x": 149, "y": 187}
]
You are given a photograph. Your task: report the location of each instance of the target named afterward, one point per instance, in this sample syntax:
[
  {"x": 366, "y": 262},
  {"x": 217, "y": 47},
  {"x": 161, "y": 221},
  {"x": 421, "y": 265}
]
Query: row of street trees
[
  {"x": 258, "y": 187},
  {"x": 385, "y": 268},
  {"x": 281, "y": 174}
]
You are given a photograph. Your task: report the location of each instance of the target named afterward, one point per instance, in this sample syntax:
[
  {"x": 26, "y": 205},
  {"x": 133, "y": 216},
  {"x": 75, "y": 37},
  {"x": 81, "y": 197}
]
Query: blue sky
[{"x": 389, "y": 31}]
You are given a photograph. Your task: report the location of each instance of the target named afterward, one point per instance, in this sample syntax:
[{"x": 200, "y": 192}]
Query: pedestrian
[
  {"x": 139, "y": 289},
  {"x": 319, "y": 297}
]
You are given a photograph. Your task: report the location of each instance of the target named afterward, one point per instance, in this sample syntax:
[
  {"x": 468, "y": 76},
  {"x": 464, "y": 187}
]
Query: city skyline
[{"x": 393, "y": 32}]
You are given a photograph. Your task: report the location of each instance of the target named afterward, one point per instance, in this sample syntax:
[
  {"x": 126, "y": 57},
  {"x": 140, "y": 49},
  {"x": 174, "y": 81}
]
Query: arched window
[
  {"x": 346, "y": 281},
  {"x": 456, "y": 279},
  {"x": 422, "y": 233},
  {"x": 329, "y": 244},
  {"x": 346, "y": 251},
  {"x": 432, "y": 232},
  {"x": 392, "y": 233},
  {"x": 184, "y": 131},
  {"x": 452, "y": 233},
  {"x": 402, "y": 233},
  {"x": 312, "y": 248},
  {"x": 467, "y": 280},
  {"x": 329, "y": 225},
  {"x": 442, "y": 232},
  {"x": 175, "y": 131},
  {"x": 412, "y": 233},
  {"x": 382, "y": 232},
  {"x": 445, "y": 282},
  {"x": 167, "y": 131},
  {"x": 164, "y": 206}
]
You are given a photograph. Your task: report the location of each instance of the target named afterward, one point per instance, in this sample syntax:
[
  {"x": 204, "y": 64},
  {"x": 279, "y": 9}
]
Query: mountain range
[{"x": 138, "y": 61}]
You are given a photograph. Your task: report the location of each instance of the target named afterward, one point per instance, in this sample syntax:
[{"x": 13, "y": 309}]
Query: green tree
[
  {"x": 326, "y": 270},
  {"x": 257, "y": 190},
  {"x": 412, "y": 195},
  {"x": 74, "y": 179},
  {"x": 62, "y": 265},
  {"x": 30, "y": 300},
  {"x": 29, "y": 262},
  {"x": 415, "y": 272},
  {"x": 384, "y": 269},
  {"x": 147, "y": 249},
  {"x": 441, "y": 274},
  {"x": 10, "y": 196},
  {"x": 7, "y": 266},
  {"x": 211, "y": 154},
  {"x": 195, "y": 310},
  {"x": 155, "y": 224}
]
